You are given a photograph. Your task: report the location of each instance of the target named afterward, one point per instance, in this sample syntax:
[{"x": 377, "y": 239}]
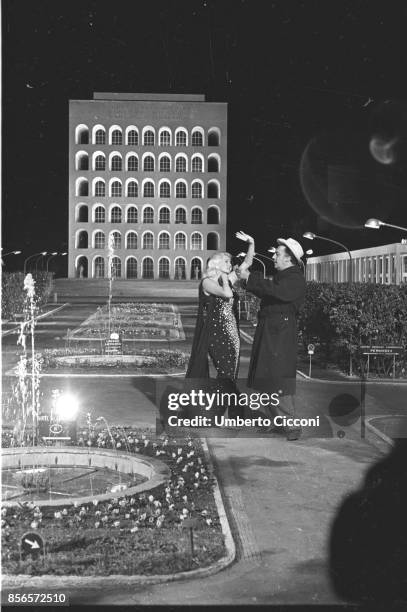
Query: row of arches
[
  {"x": 162, "y": 241},
  {"x": 114, "y": 214},
  {"x": 147, "y": 136},
  {"x": 115, "y": 162},
  {"x": 116, "y": 188},
  {"x": 164, "y": 268}
]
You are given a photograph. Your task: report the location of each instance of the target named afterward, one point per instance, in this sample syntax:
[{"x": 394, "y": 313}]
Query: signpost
[
  {"x": 113, "y": 345},
  {"x": 32, "y": 543},
  {"x": 311, "y": 349},
  {"x": 388, "y": 350}
]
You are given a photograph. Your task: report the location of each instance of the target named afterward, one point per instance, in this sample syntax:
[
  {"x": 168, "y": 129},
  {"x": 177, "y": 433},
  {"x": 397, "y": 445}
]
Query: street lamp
[
  {"x": 30, "y": 257},
  {"x": 49, "y": 258},
  {"x": 11, "y": 253},
  {"x": 38, "y": 259},
  {"x": 376, "y": 224},
  {"x": 311, "y": 236},
  {"x": 257, "y": 259}
]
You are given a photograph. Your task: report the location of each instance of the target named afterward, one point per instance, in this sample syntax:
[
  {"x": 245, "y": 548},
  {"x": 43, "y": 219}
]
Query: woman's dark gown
[{"x": 216, "y": 335}]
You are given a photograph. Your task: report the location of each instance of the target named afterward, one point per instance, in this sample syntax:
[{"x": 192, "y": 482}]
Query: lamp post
[
  {"x": 257, "y": 259},
  {"x": 38, "y": 259},
  {"x": 11, "y": 253},
  {"x": 376, "y": 224},
  {"x": 54, "y": 254},
  {"x": 311, "y": 236},
  {"x": 30, "y": 257}
]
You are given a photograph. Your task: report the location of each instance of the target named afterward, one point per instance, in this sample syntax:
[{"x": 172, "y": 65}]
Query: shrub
[{"x": 13, "y": 294}]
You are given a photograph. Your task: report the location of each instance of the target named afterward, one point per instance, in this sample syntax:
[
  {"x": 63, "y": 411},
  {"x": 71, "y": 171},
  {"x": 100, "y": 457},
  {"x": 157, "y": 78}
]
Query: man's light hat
[{"x": 293, "y": 246}]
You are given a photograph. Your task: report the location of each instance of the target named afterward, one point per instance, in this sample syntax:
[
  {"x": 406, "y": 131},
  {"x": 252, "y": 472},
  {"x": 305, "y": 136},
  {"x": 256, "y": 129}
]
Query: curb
[{"x": 57, "y": 582}]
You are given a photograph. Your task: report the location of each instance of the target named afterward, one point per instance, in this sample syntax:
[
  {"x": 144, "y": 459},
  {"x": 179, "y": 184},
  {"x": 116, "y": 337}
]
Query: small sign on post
[
  {"x": 113, "y": 344},
  {"x": 190, "y": 523},
  {"x": 311, "y": 349},
  {"x": 32, "y": 543}
]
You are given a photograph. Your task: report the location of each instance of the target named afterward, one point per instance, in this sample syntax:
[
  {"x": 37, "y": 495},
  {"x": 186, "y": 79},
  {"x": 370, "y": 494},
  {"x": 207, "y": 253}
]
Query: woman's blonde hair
[{"x": 213, "y": 263}]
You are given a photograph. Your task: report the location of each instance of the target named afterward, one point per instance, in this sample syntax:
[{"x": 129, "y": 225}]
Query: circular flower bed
[{"x": 139, "y": 534}]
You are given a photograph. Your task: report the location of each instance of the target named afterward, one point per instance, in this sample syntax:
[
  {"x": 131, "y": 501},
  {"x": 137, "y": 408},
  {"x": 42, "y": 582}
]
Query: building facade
[
  {"x": 147, "y": 185},
  {"x": 385, "y": 264}
]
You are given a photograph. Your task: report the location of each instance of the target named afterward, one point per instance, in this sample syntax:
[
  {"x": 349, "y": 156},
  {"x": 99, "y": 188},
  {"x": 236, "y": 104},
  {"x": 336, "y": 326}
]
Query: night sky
[{"x": 309, "y": 85}]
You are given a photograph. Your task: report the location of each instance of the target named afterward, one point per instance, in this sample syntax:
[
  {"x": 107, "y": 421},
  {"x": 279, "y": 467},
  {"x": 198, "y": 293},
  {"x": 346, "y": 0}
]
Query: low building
[
  {"x": 386, "y": 264},
  {"x": 147, "y": 185}
]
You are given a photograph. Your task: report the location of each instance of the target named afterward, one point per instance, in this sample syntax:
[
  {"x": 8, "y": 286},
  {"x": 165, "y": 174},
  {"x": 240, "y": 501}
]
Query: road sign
[
  {"x": 311, "y": 349},
  {"x": 32, "y": 543},
  {"x": 381, "y": 349}
]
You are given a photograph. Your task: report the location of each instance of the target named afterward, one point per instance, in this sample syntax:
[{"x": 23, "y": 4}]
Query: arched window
[
  {"x": 196, "y": 242},
  {"x": 100, "y": 215},
  {"x": 116, "y": 215},
  {"x": 213, "y": 215},
  {"x": 196, "y": 190},
  {"x": 148, "y": 268},
  {"x": 82, "y": 161},
  {"x": 213, "y": 164},
  {"x": 148, "y": 138},
  {"x": 164, "y": 215},
  {"x": 132, "y": 163},
  {"x": 213, "y": 137},
  {"x": 197, "y": 139},
  {"x": 164, "y": 240},
  {"x": 82, "y": 214},
  {"x": 180, "y": 190},
  {"x": 82, "y": 188},
  {"x": 117, "y": 240},
  {"x": 180, "y": 240},
  {"x": 165, "y": 163},
  {"x": 99, "y": 267},
  {"x": 99, "y": 240},
  {"x": 82, "y": 135},
  {"x": 148, "y": 240},
  {"x": 165, "y": 138},
  {"x": 116, "y": 266},
  {"x": 100, "y": 188},
  {"x": 132, "y": 189},
  {"x": 148, "y": 215},
  {"x": 148, "y": 190},
  {"x": 131, "y": 267},
  {"x": 82, "y": 240},
  {"x": 196, "y": 215},
  {"x": 132, "y": 216},
  {"x": 196, "y": 269},
  {"x": 165, "y": 189},
  {"x": 213, "y": 190},
  {"x": 100, "y": 137},
  {"x": 131, "y": 240},
  {"x": 181, "y": 138},
  {"x": 148, "y": 164},
  {"x": 116, "y": 163},
  {"x": 100, "y": 162},
  {"x": 117, "y": 137},
  {"x": 180, "y": 164},
  {"x": 81, "y": 267},
  {"x": 116, "y": 189},
  {"x": 180, "y": 215},
  {"x": 196, "y": 164},
  {"x": 164, "y": 267},
  {"x": 212, "y": 242},
  {"x": 132, "y": 137},
  {"x": 179, "y": 265}
]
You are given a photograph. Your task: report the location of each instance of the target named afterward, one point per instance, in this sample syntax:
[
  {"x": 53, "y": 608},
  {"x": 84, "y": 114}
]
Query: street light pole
[
  {"x": 30, "y": 257},
  {"x": 257, "y": 259},
  {"x": 376, "y": 224},
  {"x": 311, "y": 236}
]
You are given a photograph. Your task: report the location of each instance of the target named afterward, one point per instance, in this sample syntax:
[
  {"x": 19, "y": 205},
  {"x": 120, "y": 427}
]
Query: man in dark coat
[{"x": 274, "y": 353}]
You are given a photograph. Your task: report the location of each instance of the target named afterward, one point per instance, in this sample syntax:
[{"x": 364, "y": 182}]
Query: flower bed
[
  {"x": 146, "y": 361},
  {"x": 134, "y": 321},
  {"x": 141, "y": 534}
]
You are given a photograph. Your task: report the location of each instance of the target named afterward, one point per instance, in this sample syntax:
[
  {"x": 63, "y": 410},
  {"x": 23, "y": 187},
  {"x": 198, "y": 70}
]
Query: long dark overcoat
[{"x": 274, "y": 353}]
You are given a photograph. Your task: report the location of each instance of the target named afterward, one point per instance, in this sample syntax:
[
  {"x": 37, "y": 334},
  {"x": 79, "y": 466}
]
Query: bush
[
  {"x": 342, "y": 317},
  {"x": 12, "y": 286}
]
